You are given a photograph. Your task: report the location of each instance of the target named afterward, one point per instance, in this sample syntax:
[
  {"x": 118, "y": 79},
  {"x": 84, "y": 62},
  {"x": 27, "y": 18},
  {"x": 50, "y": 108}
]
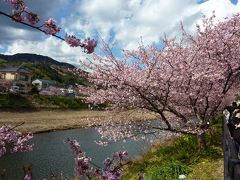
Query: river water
[{"x": 51, "y": 154}]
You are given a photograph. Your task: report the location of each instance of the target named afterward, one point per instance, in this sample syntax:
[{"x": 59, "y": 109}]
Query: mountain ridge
[{"x": 35, "y": 59}]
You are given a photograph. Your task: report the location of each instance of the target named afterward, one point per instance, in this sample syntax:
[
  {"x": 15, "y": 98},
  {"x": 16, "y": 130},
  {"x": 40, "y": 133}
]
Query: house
[
  {"x": 42, "y": 83},
  {"x": 70, "y": 92},
  {"x": 18, "y": 76}
]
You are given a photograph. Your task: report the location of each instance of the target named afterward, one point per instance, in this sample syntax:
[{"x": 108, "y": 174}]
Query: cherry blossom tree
[
  {"x": 186, "y": 83},
  {"x": 21, "y": 14},
  {"x": 5, "y": 85}
]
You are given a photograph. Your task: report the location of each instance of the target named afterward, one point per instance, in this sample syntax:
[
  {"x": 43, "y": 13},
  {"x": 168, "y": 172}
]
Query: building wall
[
  {"x": 2, "y": 75},
  {"x": 10, "y": 76},
  {"x": 19, "y": 79}
]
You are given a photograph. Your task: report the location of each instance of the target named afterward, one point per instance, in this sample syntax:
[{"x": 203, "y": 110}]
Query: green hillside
[
  {"x": 60, "y": 75},
  {"x": 43, "y": 67}
]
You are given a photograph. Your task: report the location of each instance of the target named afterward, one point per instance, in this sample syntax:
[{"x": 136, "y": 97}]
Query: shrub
[
  {"x": 14, "y": 101},
  {"x": 60, "y": 102},
  {"x": 169, "y": 170}
]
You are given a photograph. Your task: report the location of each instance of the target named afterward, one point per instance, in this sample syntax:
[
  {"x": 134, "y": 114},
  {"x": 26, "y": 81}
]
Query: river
[{"x": 51, "y": 154}]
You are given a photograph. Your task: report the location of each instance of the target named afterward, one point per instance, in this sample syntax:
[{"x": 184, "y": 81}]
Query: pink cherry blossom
[
  {"x": 81, "y": 161},
  {"x": 17, "y": 4},
  {"x": 53, "y": 91},
  {"x": 18, "y": 17},
  {"x": 5, "y": 85},
  {"x": 32, "y": 18},
  {"x": 19, "y": 142},
  {"x": 84, "y": 166},
  {"x": 89, "y": 45},
  {"x": 28, "y": 177},
  {"x": 73, "y": 41},
  {"x": 50, "y": 27}
]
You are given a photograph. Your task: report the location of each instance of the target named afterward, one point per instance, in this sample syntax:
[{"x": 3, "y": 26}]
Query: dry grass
[{"x": 41, "y": 121}]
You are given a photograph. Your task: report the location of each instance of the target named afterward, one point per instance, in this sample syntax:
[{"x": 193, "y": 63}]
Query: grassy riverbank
[
  {"x": 181, "y": 156},
  {"x": 23, "y": 101},
  {"x": 49, "y": 120}
]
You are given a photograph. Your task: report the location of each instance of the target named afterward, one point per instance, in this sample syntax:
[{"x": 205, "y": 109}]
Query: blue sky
[
  {"x": 202, "y": 1},
  {"x": 234, "y": 1},
  {"x": 120, "y": 22}
]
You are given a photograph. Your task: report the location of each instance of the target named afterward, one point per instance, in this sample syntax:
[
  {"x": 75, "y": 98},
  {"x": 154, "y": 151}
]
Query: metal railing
[{"x": 231, "y": 159}]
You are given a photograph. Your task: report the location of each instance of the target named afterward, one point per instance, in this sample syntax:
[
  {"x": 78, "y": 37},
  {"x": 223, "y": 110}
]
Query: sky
[{"x": 123, "y": 23}]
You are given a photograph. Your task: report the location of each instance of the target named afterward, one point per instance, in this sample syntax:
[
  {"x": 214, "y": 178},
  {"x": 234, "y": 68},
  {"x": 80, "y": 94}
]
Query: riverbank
[
  {"x": 181, "y": 156},
  {"x": 52, "y": 120}
]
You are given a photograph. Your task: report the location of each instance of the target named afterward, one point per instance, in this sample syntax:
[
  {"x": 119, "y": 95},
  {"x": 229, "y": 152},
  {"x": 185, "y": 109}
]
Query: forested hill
[
  {"x": 43, "y": 67},
  {"x": 33, "y": 58}
]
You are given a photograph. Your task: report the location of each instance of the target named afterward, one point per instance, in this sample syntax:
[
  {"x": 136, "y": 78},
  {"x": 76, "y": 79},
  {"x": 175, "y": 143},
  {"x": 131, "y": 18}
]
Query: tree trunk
[{"x": 201, "y": 141}]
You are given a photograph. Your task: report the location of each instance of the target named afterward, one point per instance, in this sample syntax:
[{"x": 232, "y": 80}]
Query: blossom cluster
[
  {"x": 137, "y": 131},
  {"x": 116, "y": 132},
  {"x": 19, "y": 142},
  {"x": 5, "y": 84},
  {"x": 21, "y": 13},
  {"x": 50, "y": 27},
  {"x": 88, "y": 44},
  {"x": 81, "y": 161},
  {"x": 84, "y": 167},
  {"x": 53, "y": 91},
  {"x": 17, "y": 4},
  {"x": 112, "y": 170}
]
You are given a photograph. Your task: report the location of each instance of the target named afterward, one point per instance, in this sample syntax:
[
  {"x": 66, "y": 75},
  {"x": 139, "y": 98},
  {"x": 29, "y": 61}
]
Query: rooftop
[
  {"x": 15, "y": 69},
  {"x": 44, "y": 81}
]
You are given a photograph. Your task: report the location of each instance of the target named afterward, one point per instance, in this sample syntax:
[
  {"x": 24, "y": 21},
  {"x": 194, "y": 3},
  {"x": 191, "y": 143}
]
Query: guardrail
[{"x": 231, "y": 160}]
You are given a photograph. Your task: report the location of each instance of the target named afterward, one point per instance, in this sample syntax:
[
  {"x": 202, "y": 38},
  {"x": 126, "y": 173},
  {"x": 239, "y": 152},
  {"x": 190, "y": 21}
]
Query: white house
[{"x": 42, "y": 83}]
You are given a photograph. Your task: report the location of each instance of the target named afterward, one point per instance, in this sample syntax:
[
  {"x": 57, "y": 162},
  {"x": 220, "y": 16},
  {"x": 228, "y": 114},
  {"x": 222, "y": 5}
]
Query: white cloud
[
  {"x": 148, "y": 19},
  {"x": 130, "y": 20},
  {"x": 151, "y": 21},
  {"x": 51, "y": 47},
  {"x": 222, "y": 8},
  {"x": 13, "y": 33}
]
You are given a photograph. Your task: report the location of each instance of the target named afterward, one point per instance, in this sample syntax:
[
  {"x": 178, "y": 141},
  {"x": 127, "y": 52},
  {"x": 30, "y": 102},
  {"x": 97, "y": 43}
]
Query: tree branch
[{"x": 29, "y": 25}]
